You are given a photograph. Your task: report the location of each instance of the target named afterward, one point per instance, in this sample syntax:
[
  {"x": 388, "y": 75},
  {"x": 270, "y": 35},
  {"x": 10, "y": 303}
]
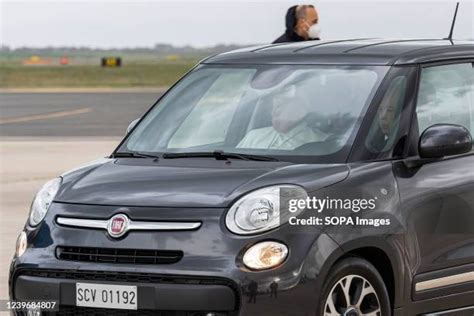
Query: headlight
[
  {"x": 43, "y": 200},
  {"x": 265, "y": 255},
  {"x": 263, "y": 209}
]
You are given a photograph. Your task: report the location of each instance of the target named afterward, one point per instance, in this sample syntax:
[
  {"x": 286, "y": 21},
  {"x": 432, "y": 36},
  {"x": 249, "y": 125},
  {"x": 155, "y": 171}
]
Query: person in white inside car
[{"x": 289, "y": 130}]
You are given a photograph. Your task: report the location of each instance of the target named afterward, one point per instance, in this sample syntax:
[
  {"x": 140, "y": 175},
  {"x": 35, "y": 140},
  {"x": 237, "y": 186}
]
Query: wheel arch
[{"x": 384, "y": 256}]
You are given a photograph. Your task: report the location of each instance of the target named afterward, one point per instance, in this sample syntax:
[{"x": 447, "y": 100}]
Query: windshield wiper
[
  {"x": 219, "y": 155},
  {"x": 133, "y": 154}
]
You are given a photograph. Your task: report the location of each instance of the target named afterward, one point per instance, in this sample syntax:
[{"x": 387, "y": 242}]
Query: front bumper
[
  {"x": 206, "y": 280},
  {"x": 155, "y": 292}
]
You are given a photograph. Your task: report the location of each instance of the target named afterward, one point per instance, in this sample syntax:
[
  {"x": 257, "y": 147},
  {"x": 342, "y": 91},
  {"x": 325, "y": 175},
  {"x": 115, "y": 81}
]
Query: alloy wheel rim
[{"x": 352, "y": 295}]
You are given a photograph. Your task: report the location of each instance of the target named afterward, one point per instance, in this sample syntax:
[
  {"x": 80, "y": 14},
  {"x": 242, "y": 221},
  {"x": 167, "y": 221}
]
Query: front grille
[{"x": 113, "y": 255}]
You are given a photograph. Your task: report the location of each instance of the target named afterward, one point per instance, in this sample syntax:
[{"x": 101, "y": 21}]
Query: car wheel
[{"x": 354, "y": 288}]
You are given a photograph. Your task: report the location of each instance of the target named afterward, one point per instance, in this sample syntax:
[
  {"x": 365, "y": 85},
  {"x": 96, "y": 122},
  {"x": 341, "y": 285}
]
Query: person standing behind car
[{"x": 301, "y": 25}]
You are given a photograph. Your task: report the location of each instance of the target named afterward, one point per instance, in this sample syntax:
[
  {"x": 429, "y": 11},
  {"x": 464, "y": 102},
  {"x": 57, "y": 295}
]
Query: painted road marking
[{"x": 45, "y": 116}]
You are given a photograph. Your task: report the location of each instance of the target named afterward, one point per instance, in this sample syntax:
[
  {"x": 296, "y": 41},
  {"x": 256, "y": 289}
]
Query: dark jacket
[{"x": 290, "y": 35}]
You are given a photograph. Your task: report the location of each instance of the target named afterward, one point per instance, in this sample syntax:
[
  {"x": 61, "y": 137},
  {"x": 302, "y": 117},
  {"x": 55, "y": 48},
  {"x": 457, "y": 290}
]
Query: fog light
[
  {"x": 265, "y": 255},
  {"x": 21, "y": 244}
]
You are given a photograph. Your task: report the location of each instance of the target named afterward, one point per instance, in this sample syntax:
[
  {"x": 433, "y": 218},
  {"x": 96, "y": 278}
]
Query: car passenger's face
[
  {"x": 387, "y": 116},
  {"x": 286, "y": 113}
]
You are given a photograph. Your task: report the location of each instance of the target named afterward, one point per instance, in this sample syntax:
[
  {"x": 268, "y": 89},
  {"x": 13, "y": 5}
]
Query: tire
[{"x": 354, "y": 276}]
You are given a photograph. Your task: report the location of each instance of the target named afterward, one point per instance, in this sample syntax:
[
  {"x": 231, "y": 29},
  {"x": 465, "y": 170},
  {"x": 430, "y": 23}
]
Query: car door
[{"x": 437, "y": 198}]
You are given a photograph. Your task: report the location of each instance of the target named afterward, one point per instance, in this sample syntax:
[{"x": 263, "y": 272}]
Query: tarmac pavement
[{"x": 63, "y": 114}]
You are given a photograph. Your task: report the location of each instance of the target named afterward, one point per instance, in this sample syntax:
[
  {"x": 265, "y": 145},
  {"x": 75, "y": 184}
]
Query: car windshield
[{"x": 306, "y": 112}]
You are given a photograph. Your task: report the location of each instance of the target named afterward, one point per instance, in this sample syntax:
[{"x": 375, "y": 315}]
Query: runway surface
[{"x": 71, "y": 114}]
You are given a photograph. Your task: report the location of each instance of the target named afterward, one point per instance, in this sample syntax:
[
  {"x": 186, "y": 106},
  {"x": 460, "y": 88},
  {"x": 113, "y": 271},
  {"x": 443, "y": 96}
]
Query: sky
[{"x": 119, "y": 24}]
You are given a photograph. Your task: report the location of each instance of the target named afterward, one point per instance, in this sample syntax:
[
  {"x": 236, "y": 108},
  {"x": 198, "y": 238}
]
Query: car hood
[{"x": 201, "y": 182}]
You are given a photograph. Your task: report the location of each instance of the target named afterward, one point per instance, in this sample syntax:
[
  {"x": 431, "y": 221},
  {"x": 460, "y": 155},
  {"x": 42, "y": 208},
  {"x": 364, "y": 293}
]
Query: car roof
[{"x": 352, "y": 51}]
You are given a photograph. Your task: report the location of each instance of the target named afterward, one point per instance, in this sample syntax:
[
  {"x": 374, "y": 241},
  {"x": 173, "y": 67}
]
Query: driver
[{"x": 289, "y": 130}]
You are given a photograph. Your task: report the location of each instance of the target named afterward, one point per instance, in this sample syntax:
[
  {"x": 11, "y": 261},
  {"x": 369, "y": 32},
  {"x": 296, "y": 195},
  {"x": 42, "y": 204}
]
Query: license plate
[{"x": 106, "y": 296}]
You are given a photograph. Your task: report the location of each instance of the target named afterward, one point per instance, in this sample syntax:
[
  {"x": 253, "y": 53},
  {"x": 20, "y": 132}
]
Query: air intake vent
[{"x": 112, "y": 255}]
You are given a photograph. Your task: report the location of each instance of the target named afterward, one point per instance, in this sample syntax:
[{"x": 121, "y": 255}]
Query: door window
[{"x": 446, "y": 95}]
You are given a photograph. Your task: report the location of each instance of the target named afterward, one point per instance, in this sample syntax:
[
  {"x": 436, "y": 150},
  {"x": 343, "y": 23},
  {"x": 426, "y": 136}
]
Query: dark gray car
[{"x": 329, "y": 178}]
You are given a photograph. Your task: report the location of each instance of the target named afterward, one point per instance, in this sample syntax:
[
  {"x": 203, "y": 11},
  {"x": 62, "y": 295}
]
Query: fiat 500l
[{"x": 334, "y": 178}]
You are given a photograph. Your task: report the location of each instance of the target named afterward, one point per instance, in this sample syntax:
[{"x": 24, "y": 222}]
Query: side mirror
[
  {"x": 132, "y": 125},
  {"x": 441, "y": 140}
]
